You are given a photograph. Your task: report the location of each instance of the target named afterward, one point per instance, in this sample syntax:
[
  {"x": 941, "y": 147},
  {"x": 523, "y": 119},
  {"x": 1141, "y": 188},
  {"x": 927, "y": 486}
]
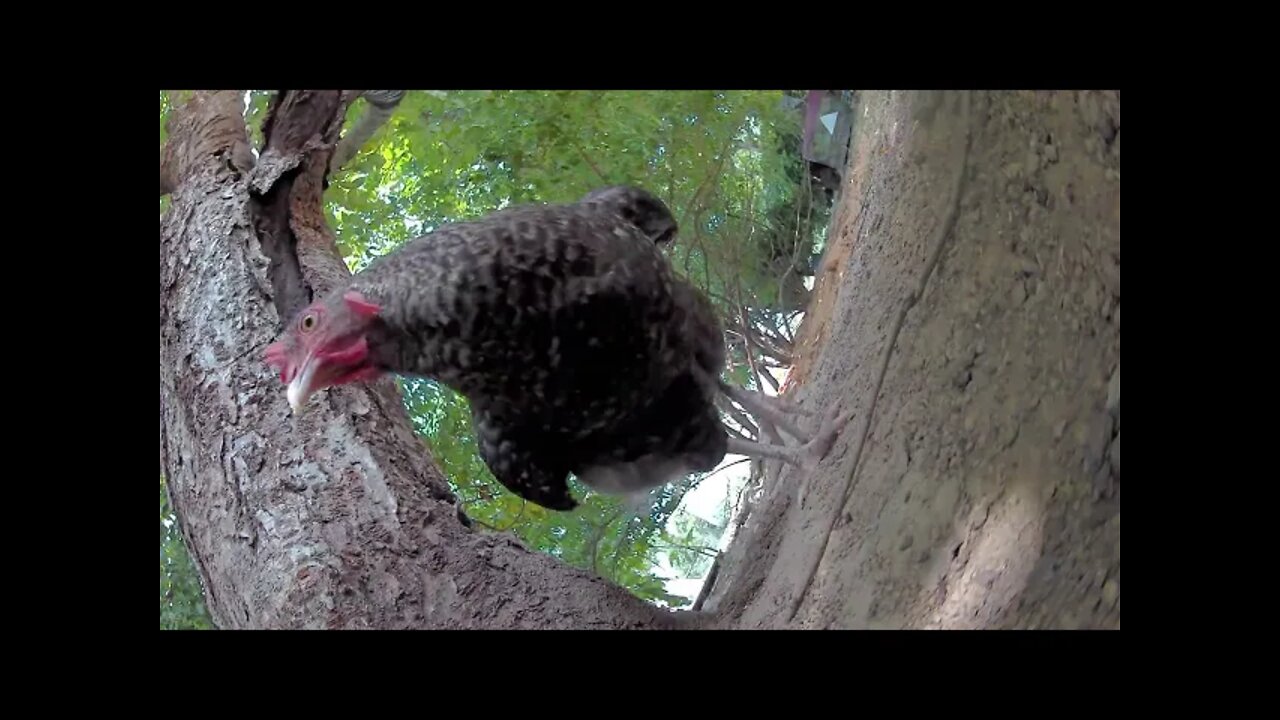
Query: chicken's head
[
  {"x": 639, "y": 207},
  {"x": 325, "y": 345}
]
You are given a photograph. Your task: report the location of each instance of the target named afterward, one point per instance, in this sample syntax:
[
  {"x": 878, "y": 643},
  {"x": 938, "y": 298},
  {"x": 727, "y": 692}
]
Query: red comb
[{"x": 359, "y": 305}]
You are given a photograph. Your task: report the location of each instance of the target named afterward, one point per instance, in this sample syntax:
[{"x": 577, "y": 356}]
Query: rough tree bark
[{"x": 339, "y": 518}]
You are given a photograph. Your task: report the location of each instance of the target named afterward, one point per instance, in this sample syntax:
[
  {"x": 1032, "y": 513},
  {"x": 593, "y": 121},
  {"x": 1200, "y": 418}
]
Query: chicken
[{"x": 578, "y": 347}]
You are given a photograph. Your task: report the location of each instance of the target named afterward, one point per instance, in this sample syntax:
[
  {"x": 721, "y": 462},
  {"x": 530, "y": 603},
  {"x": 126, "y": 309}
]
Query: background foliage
[
  {"x": 181, "y": 597},
  {"x": 725, "y": 162}
]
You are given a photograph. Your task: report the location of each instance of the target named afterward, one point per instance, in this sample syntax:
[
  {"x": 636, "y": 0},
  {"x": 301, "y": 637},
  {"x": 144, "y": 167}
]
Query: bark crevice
[
  {"x": 299, "y": 131},
  {"x": 290, "y": 290}
]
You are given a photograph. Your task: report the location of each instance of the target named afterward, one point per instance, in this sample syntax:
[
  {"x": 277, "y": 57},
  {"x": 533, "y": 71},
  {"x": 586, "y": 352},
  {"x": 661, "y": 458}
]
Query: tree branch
[
  {"x": 702, "y": 550},
  {"x": 767, "y": 328},
  {"x": 741, "y": 418},
  {"x": 726, "y": 467},
  {"x": 594, "y": 167},
  {"x": 753, "y": 336},
  {"x": 784, "y": 330},
  {"x": 708, "y": 584},
  {"x": 382, "y": 104}
]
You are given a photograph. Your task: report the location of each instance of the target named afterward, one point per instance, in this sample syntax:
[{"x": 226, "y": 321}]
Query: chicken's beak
[{"x": 302, "y": 386}]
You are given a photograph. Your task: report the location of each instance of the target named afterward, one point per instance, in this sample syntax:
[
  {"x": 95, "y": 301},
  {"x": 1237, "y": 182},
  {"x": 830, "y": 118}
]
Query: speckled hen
[{"x": 579, "y": 348}]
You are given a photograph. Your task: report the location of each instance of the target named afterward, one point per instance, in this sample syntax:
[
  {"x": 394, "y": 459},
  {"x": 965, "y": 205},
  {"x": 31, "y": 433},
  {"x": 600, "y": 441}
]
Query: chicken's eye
[{"x": 308, "y": 322}]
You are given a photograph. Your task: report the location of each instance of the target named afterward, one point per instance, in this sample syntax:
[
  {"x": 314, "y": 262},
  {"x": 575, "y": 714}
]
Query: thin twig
[
  {"x": 741, "y": 418},
  {"x": 766, "y": 344},
  {"x": 725, "y": 467},
  {"x": 770, "y": 332},
  {"x": 795, "y": 244},
  {"x": 737, "y": 433},
  {"x": 514, "y": 523},
  {"x": 595, "y": 543},
  {"x": 724, "y": 154},
  {"x": 708, "y": 584},
  {"x": 594, "y": 168},
  {"x": 745, "y": 322},
  {"x": 701, "y": 550}
]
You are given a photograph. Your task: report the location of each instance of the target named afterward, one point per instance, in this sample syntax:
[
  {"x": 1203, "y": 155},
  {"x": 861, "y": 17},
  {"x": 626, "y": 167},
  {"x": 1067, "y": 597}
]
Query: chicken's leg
[
  {"x": 768, "y": 408},
  {"x": 807, "y": 455}
]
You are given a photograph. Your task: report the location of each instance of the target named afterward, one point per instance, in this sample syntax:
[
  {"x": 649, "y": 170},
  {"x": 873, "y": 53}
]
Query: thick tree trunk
[
  {"x": 338, "y": 518},
  {"x": 969, "y": 314}
]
